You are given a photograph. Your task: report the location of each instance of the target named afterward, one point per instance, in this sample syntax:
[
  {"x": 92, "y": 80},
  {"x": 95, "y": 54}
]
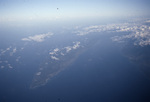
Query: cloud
[
  {"x": 13, "y": 51},
  {"x": 8, "y": 48},
  {"x": 2, "y": 67},
  {"x": 97, "y": 28},
  {"x": 6, "y": 61},
  {"x": 136, "y": 31},
  {"x": 5, "y": 64},
  {"x": 139, "y": 33},
  {"x": 38, "y": 38},
  {"x": 62, "y": 54},
  {"x": 9, "y": 66},
  {"x": 77, "y": 45},
  {"x": 54, "y": 51},
  {"x": 54, "y": 58},
  {"x": 68, "y": 48},
  {"x": 38, "y": 73},
  {"x": 18, "y": 58},
  {"x": 4, "y": 51}
]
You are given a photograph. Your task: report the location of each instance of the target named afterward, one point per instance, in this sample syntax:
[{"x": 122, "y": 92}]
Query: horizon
[{"x": 22, "y": 11}]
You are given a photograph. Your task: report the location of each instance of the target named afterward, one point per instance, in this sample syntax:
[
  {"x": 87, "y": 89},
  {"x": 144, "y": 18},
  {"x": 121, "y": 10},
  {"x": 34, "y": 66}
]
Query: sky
[{"x": 40, "y": 10}]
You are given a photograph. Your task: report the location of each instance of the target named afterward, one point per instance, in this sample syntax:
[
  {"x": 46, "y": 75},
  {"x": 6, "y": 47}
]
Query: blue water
[{"x": 100, "y": 74}]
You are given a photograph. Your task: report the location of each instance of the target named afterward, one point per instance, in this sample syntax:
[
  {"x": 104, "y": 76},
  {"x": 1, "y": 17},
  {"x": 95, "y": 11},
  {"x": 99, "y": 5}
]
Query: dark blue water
[{"x": 100, "y": 74}]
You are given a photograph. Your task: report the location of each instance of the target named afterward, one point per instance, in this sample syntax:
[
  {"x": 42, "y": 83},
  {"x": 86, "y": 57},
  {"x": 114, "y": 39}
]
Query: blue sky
[{"x": 29, "y": 10}]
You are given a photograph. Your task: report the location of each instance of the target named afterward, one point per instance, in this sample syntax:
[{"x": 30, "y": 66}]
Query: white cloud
[
  {"x": 38, "y": 38},
  {"x": 68, "y": 48},
  {"x": 63, "y": 51},
  {"x": 98, "y": 28},
  {"x": 13, "y": 51},
  {"x": 22, "y": 48},
  {"x": 2, "y": 67},
  {"x": 10, "y": 66},
  {"x": 56, "y": 50},
  {"x": 3, "y": 51},
  {"x": 139, "y": 32},
  {"x": 18, "y": 58},
  {"x": 52, "y": 53},
  {"x": 8, "y": 48},
  {"x": 62, "y": 54},
  {"x": 6, "y": 61},
  {"x": 38, "y": 73},
  {"x": 77, "y": 45},
  {"x": 54, "y": 58}
]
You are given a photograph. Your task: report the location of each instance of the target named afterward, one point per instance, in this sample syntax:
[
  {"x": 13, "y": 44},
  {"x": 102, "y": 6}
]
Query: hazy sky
[{"x": 12, "y": 10}]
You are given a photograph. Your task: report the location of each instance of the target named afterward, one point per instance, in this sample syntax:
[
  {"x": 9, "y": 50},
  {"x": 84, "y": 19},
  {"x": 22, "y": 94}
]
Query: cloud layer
[
  {"x": 38, "y": 38},
  {"x": 138, "y": 32}
]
